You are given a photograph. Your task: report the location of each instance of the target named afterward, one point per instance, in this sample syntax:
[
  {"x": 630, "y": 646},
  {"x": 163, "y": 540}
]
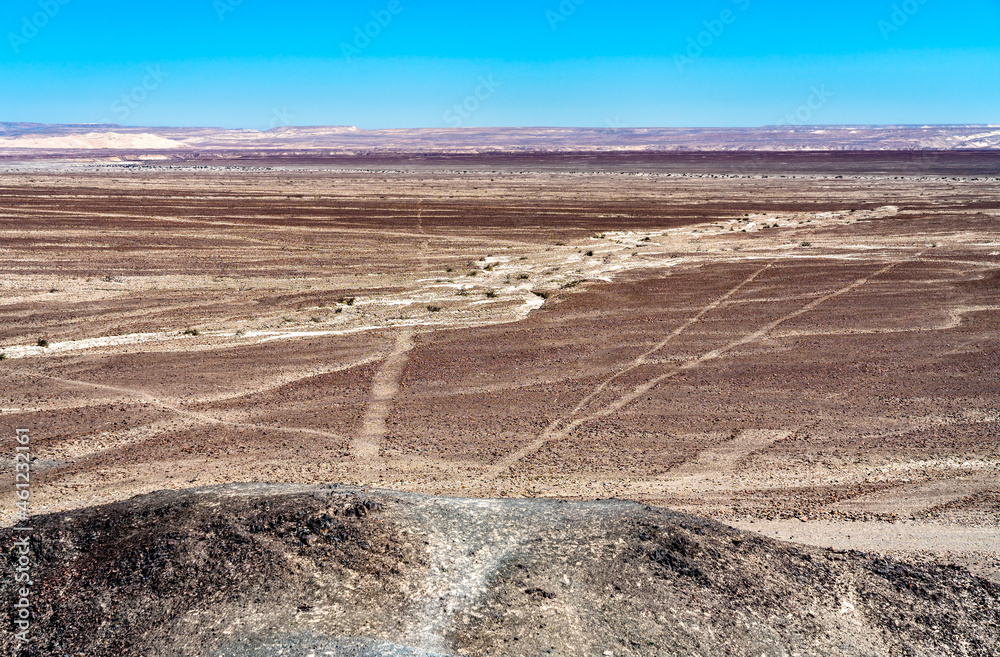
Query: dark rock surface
[{"x": 254, "y": 570}]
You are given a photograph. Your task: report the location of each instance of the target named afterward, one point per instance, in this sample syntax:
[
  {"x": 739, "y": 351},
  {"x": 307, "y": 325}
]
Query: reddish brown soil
[{"x": 834, "y": 359}]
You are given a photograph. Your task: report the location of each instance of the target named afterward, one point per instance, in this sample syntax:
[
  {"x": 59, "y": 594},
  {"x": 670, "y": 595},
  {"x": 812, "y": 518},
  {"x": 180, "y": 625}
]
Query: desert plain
[{"x": 802, "y": 345}]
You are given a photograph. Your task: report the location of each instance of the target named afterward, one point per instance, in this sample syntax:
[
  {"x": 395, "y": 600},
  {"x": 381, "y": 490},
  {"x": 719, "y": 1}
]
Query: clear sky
[{"x": 259, "y": 64}]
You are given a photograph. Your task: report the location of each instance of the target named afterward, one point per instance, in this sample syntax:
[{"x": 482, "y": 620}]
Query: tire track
[{"x": 549, "y": 435}]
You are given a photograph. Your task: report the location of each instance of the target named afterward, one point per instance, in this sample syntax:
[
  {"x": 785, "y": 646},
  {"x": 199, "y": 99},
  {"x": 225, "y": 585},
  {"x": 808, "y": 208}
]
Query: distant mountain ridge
[{"x": 36, "y": 137}]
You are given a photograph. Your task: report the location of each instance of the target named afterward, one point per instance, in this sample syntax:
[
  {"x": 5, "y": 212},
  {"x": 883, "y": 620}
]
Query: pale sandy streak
[
  {"x": 641, "y": 359},
  {"x": 385, "y": 385},
  {"x": 640, "y": 390},
  {"x": 204, "y": 417},
  {"x": 278, "y": 229},
  {"x": 550, "y": 431}
]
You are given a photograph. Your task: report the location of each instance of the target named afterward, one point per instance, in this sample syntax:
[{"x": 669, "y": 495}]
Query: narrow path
[{"x": 468, "y": 541}]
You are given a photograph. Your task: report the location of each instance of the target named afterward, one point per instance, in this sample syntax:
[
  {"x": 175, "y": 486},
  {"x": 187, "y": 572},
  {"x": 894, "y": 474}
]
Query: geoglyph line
[
  {"x": 365, "y": 447},
  {"x": 203, "y": 417},
  {"x": 505, "y": 464},
  {"x": 642, "y": 359},
  {"x": 385, "y": 385}
]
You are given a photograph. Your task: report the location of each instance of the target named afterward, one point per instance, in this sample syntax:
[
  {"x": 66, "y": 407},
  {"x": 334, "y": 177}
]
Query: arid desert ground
[{"x": 801, "y": 346}]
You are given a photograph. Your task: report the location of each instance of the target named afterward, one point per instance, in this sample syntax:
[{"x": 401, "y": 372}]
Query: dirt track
[{"x": 749, "y": 346}]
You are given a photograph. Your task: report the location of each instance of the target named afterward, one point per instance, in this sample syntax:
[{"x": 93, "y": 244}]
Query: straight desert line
[{"x": 506, "y": 463}]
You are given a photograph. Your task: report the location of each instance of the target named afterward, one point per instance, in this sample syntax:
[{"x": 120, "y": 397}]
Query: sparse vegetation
[
  {"x": 191, "y": 331},
  {"x": 523, "y": 277},
  {"x": 3, "y": 356},
  {"x": 807, "y": 244},
  {"x": 434, "y": 309},
  {"x": 347, "y": 301},
  {"x": 42, "y": 342},
  {"x": 492, "y": 294},
  {"x": 488, "y": 267},
  {"x": 474, "y": 272},
  {"x": 338, "y": 310},
  {"x": 450, "y": 269},
  {"x": 589, "y": 253}
]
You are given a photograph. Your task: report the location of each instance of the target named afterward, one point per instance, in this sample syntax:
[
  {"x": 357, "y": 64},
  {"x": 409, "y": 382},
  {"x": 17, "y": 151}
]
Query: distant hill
[{"x": 35, "y": 138}]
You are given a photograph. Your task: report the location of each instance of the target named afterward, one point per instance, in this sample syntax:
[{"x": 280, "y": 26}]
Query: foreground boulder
[{"x": 261, "y": 570}]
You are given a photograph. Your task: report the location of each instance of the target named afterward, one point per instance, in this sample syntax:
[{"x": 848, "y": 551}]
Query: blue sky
[{"x": 259, "y": 64}]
